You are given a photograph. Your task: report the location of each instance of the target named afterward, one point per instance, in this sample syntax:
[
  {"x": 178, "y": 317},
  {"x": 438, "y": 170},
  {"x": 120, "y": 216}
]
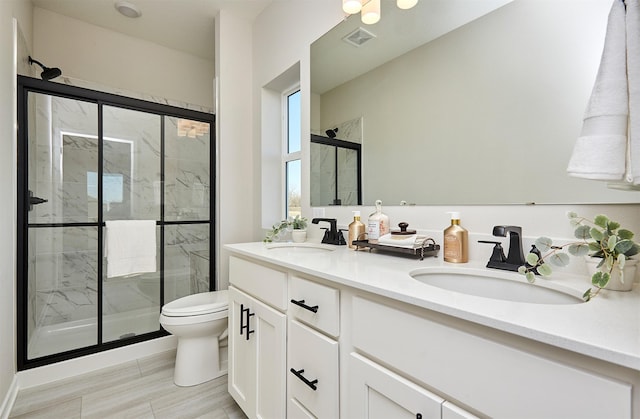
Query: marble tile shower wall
[
  {"x": 187, "y": 188},
  {"x": 63, "y": 262},
  {"x": 323, "y": 175}
]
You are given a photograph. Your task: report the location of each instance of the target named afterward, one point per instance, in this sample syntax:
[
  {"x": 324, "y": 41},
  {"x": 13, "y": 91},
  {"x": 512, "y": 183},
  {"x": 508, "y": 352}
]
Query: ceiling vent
[{"x": 358, "y": 37}]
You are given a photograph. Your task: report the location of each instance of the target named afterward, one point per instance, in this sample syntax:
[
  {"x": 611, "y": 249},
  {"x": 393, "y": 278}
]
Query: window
[{"x": 292, "y": 158}]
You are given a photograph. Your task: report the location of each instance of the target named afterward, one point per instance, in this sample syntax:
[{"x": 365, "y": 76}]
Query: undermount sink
[
  {"x": 300, "y": 248},
  {"x": 497, "y": 285}
]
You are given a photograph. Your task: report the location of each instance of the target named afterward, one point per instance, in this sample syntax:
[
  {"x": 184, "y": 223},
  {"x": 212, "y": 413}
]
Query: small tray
[{"x": 428, "y": 248}]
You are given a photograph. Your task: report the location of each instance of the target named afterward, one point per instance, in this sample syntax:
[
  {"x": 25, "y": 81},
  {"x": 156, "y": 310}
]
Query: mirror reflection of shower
[{"x": 117, "y": 194}]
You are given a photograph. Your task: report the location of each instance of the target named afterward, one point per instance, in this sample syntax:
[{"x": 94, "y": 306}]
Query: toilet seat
[{"x": 197, "y": 304}]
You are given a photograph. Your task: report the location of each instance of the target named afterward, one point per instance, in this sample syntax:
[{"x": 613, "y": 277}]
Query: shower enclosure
[
  {"x": 85, "y": 158},
  {"x": 336, "y": 172}
]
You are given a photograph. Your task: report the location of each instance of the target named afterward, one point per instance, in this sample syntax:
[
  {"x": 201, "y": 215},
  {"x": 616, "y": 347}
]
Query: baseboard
[
  {"x": 65, "y": 369},
  {"x": 9, "y": 398}
]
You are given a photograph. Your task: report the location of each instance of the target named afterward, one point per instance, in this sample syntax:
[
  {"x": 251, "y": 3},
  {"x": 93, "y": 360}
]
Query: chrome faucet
[
  {"x": 332, "y": 235},
  {"x": 515, "y": 255}
]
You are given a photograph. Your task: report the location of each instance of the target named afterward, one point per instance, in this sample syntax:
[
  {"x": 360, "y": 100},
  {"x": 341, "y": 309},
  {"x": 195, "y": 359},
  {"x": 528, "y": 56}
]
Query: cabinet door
[
  {"x": 377, "y": 393},
  {"x": 257, "y": 356},
  {"x": 242, "y": 352}
]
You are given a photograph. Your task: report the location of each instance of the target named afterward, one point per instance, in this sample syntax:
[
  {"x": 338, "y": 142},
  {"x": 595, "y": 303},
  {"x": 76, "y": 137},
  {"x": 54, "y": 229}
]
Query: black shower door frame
[{"x": 28, "y": 85}]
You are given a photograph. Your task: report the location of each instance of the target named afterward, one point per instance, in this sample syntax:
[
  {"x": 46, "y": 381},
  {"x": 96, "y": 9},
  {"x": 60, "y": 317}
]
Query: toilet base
[{"x": 197, "y": 361}]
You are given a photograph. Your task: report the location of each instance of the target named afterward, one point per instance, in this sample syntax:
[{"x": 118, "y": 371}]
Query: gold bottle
[
  {"x": 357, "y": 230},
  {"x": 456, "y": 241}
]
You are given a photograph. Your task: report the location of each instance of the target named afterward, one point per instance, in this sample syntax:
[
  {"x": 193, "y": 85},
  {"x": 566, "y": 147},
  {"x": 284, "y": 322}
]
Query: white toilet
[{"x": 199, "y": 321}]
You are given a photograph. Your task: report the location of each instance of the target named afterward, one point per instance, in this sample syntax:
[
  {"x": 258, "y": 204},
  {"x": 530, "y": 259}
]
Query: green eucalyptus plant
[
  {"x": 600, "y": 238},
  {"x": 297, "y": 223}
]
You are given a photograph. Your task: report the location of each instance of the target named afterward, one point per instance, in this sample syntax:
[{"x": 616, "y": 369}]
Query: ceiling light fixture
[
  {"x": 127, "y": 9},
  {"x": 370, "y": 9},
  {"x": 370, "y": 12},
  {"x": 406, "y": 4},
  {"x": 351, "y": 6}
]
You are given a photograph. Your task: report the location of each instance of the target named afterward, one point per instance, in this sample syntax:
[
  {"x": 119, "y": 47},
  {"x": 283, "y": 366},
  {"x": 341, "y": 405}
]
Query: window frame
[{"x": 288, "y": 157}]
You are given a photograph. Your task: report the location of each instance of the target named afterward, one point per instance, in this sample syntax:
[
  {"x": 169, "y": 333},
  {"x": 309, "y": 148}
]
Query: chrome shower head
[{"x": 47, "y": 73}]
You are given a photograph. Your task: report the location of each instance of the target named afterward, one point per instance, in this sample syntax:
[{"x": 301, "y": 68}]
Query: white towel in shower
[
  {"x": 130, "y": 247},
  {"x": 600, "y": 152}
]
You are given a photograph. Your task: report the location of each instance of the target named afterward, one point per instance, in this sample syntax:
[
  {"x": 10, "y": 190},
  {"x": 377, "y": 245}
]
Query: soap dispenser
[
  {"x": 377, "y": 224},
  {"x": 357, "y": 230},
  {"x": 456, "y": 238}
]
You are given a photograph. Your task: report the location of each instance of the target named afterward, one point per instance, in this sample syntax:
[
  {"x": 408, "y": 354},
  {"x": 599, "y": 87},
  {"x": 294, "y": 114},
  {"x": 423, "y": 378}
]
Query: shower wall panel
[
  {"x": 132, "y": 153},
  {"x": 187, "y": 188},
  {"x": 181, "y": 241}
]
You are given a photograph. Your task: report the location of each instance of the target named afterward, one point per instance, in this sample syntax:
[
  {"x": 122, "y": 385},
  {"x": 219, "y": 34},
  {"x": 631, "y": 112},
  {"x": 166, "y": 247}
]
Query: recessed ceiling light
[{"x": 127, "y": 9}]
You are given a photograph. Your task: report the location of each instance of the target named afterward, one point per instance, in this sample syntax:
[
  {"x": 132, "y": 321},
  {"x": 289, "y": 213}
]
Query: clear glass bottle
[{"x": 377, "y": 224}]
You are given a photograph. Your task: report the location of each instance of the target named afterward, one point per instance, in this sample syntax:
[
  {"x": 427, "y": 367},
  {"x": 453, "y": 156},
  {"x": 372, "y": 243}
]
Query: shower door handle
[{"x": 34, "y": 200}]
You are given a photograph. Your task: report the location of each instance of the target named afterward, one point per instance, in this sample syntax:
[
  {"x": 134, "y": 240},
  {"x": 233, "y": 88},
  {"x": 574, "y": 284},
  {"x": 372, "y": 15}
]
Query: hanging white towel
[
  {"x": 633, "y": 75},
  {"x": 130, "y": 247},
  {"x": 600, "y": 152}
]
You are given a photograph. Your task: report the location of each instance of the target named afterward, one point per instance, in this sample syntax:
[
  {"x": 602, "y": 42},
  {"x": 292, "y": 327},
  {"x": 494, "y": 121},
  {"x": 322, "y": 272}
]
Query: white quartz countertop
[{"x": 606, "y": 328}]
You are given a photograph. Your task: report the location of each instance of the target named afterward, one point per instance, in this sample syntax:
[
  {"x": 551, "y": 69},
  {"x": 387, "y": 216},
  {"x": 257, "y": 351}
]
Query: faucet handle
[{"x": 498, "y": 251}]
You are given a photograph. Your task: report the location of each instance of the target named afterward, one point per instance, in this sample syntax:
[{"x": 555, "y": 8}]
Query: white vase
[
  {"x": 614, "y": 283},
  {"x": 298, "y": 236}
]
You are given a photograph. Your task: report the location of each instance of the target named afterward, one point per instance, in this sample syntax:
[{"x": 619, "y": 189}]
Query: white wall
[
  {"x": 21, "y": 10},
  {"x": 91, "y": 53},
  {"x": 236, "y": 205},
  {"x": 282, "y": 36}
]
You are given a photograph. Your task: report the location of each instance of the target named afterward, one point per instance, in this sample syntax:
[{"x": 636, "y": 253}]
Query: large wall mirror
[{"x": 471, "y": 102}]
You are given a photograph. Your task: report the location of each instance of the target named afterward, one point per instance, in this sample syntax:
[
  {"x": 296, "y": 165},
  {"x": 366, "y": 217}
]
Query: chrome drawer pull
[
  {"x": 311, "y": 384},
  {"x": 303, "y": 305}
]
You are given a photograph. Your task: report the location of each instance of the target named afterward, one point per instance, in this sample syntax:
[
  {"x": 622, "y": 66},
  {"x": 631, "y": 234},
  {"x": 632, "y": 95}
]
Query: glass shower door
[
  {"x": 62, "y": 236},
  {"x": 131, "y": 184},
  {"x": 85, "y": 160}
]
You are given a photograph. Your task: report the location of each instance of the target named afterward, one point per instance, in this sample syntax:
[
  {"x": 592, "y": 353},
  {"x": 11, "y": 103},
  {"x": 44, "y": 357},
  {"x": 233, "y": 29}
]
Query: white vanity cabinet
[
  {"x": 313, "y": 350},
  {"x": 257, "y": 339},
  {"x": 499, "y": 380},
  {"x": 327, "y": 346}
]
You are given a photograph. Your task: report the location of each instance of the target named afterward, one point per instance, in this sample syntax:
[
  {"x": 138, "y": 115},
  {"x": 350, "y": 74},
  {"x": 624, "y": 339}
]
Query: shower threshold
[{"x": 61, "y": 337}]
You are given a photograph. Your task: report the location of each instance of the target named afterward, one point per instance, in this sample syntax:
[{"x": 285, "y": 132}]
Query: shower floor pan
[{"x": 56, "y": 338}]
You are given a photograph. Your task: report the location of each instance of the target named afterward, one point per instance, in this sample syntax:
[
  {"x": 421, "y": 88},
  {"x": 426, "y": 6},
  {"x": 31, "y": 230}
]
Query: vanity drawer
[
  {"x": 312, "y": 356},
  {"x": 315, "y": 304},
  {"x": 263, "y": 283}
]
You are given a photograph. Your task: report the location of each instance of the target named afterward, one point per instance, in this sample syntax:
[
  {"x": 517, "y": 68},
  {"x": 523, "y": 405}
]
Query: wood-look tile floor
[{"x": 138, "y": 389}]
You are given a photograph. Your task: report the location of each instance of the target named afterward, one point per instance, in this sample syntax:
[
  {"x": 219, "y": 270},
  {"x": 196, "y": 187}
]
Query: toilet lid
[{"x": 195, "y": 304}]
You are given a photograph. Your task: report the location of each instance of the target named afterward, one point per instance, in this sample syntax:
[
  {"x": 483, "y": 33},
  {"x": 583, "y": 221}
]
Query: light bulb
[
  {"x": 370, "y": 13},
  {"x": 351, "y": 6},
  {"x": 406, "y": 4}
]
